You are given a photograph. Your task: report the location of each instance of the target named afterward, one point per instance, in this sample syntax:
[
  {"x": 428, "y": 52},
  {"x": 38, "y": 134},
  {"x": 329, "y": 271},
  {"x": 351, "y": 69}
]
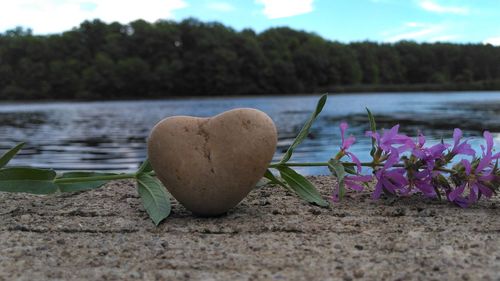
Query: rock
[{"x": 210, "y": 164}]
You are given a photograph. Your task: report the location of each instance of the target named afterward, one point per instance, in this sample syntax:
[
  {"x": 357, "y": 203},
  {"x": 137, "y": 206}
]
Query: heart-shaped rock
[{"x": 210, "y": 164}]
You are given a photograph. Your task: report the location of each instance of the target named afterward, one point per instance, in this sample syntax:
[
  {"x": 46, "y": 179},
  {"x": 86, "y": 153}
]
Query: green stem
[
  {"x": 272, "y": 165},
  {"x": 348, "y": 164},
  {"x": 326, "y": 164},
  {"x": 96, "y": 178},
  {"x": 310, "y": 164},
  {"x": 445, "y": 170}
]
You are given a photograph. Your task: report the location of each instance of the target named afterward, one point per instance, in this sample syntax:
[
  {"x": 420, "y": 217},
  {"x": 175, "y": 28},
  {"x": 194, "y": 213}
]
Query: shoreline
[
  {"x": 218, "y": 96},
  {"x": 105, "y": 234}
]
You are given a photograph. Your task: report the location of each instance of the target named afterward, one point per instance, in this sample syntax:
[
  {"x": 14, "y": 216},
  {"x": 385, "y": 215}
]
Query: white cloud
[
  {"x": 221, "y": 6},
  {"x": 432, "y": 6},
  {"x": 274, "y": 9},
  {"x": 52, "y": 16},
  {"x": 495, "y": 41},
  {"x": 418, "y": 31}
]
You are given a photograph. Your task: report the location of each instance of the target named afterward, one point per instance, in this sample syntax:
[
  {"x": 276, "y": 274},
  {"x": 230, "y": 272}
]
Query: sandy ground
[{"x": 106, "y": 235}]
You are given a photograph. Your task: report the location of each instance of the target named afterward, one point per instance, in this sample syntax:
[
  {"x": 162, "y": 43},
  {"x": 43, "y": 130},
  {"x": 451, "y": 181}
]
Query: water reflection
[{"x": 111, "y": 135}]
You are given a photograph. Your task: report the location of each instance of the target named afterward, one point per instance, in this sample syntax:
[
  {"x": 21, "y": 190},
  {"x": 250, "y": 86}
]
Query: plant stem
[
  {"x": 348, "y": 164},
  {"x": 326, "y": 164},
  {"x": 310, "y": 164},
  {"x": 96, "y": 178},
  {"x": 272, "y": 165},
  {"x": 445, "y": 170}
]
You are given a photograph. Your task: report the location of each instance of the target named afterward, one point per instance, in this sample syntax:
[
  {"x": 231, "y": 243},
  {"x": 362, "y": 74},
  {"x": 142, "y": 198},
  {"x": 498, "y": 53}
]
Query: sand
[{"x": 106, "y": 235}]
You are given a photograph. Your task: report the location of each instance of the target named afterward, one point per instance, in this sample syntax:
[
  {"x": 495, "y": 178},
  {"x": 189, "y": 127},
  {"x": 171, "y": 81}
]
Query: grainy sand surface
[{"x": 106, "y": 235}]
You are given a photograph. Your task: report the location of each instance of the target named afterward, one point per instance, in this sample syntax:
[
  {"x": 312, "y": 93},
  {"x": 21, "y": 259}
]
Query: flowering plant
[
  {"x": 403, "y": 166},
  {"x": 400, "y": 166}
]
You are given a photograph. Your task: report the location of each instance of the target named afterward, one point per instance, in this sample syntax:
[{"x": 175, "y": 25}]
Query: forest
[{"x": 100, "y": 61}]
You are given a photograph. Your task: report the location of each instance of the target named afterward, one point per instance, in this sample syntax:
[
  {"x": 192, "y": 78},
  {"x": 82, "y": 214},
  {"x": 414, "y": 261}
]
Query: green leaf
[
  {"x": 373, "y": 128},
  {"x": 7, "y": 156},
  {"x": 301, "y": 186},
  {"x": 145, "y": 167},
  {"x": 28, "y": 180},
  {"x": 80, "y": 186},
  {"x": 154, "y": 197},
  {"x": 274, "y": 180},
  {"x": 350, "y": 170},
  {"x": 305, "y": 129},
  {"x": 338, "y": 170}
]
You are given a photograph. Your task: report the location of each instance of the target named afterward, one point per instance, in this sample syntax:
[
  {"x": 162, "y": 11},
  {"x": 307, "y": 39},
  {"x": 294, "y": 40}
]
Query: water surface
[{"x": 111, "y": 135}]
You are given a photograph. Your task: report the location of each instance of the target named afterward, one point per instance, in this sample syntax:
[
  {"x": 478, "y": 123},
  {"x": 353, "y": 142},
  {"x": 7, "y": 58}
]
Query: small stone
[
  {"x": 358, "y": 247},
  {"x": 400, "y": 247},
  {"x": 135, "y": 275},
  {"x": 358, "y": 273},
  {"x": 264, "y": 202},
  {"x": 315, "y": 211},
  {"x": 347, "y": 278},
  {"x": 399, "y": 212},
  {"x": 25, "y": 218}
]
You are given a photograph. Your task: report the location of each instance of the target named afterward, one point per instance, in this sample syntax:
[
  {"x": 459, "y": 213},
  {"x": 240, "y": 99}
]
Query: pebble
[
  {"x": 358, "y": 273},
  {"x": 25, "y": 218}
]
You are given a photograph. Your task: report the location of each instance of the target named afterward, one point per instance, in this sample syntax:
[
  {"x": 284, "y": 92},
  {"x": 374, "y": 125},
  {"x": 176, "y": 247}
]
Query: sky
[{"x": 461, "y": 21}]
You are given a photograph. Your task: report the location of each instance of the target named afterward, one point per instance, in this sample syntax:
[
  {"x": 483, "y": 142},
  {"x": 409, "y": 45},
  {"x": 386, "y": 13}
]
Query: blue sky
[{"x": 342, "y": 20}]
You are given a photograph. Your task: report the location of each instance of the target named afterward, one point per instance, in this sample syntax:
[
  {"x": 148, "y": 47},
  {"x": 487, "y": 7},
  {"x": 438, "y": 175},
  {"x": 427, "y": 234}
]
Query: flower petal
[
  {"x": 353, "y": 185},
  {"x": 348, "y": 142},
  {"x": 457, "y": 135},
  {"x": 485, "y": 190},
  {"x": 452, "y": 196},
  {"x": 467, "y": 166},
  {"x": 355, "y": 160},
  {"x": 393, "y": 158},
  {"x": 343, "y": 127},
  {"x": 489, "y": 141},
  {"x": 421, "y": 139},
  {"x": 378, "y": 190}
]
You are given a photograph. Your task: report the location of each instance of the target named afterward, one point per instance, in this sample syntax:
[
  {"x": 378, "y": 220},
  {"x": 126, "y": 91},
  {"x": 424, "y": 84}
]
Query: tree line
[{"x": 166, "y": 58}]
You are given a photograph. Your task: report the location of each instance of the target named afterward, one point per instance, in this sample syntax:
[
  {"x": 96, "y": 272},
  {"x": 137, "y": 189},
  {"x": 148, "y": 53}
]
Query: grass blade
[
  {"x": 373, "y": 128},
  {"x": 7, "y": 156},
  {"x": 305, "y": 129}
]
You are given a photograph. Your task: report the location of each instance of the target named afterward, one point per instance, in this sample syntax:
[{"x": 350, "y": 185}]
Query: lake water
[{"x": 111, "y": 135}]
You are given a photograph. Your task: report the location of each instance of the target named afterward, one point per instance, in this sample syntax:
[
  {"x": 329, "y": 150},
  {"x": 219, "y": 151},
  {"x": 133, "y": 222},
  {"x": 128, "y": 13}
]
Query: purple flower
[
  {"x": 351, "y": 182},
  {"x": 392, "y": 180},
  {"x": 390, "y": 138},
  {"x": 478, "y": 178},
  {"x": 422, "y": 180},
  {"x": 428, "y": 155},
  {"x": 346, "y": 144},
  {"x": 477, "y": 183},
  {"x": 488, "y": 151},
  {"x": 461, "y": 148},
  {"x": 389, "y": 180}
]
